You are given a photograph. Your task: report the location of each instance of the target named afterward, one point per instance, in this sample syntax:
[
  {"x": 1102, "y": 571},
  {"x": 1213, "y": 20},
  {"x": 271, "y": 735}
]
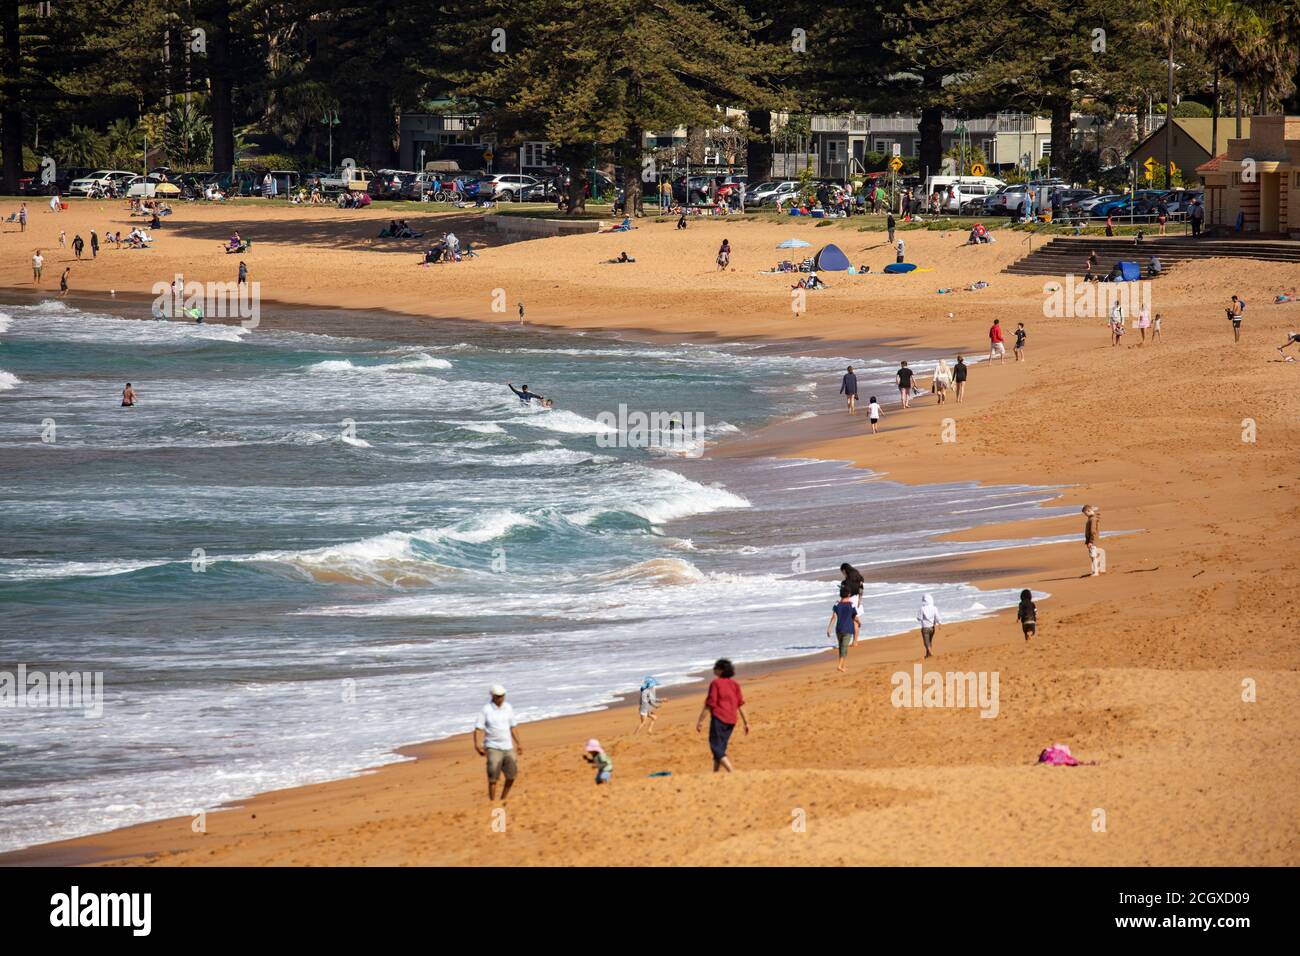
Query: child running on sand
[
  {"x": 596, "y": 756},
  {"x": 724, "y": 702},
  {"x": 874, "y": 413},
  {"x": 1027, "y": 613},
  {"x": 844, "y": 620},
  {"x": 650, "y": 702}
]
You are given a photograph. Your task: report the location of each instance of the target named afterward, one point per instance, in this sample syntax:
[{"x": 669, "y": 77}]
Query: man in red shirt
[
  {"x": 996, "y": 348},
  {"x": 725, "y": 702}
]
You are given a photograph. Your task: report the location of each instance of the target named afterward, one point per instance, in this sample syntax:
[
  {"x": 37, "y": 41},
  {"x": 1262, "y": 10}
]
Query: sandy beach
[{"x": 1174, "y": 674}]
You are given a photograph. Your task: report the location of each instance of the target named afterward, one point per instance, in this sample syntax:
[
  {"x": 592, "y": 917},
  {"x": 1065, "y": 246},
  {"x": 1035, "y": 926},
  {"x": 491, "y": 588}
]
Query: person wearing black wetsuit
[{"x": 526, "y": 397}]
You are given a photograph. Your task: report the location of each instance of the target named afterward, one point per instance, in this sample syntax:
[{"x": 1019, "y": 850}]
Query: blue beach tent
[
  {"x": 831, "y": 259},
  {"x": 1129, "y": 272}
]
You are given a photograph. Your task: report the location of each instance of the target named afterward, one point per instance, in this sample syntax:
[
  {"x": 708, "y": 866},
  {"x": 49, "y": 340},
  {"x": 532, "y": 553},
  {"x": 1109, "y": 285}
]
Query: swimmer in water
[
  {"x": 128, "y": 396},
  {"x": 527, "y": 397}
]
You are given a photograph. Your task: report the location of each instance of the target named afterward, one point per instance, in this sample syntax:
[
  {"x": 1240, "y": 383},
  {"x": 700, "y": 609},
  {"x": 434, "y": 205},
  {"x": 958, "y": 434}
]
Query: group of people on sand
[{"x": 496, "y": 734}]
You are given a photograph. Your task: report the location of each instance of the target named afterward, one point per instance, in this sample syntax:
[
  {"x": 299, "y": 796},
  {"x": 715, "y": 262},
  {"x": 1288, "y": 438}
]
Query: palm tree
[
  {"x": 187, "y": 136},
  {"x": 1174, "y": 22},
  {"x": 1216, "y": 29},
  {"x": 82, "y": 146}
]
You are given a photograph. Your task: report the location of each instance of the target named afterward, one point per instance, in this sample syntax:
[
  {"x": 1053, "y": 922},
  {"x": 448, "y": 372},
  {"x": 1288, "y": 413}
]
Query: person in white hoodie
[{"x": 928, "y": 618}]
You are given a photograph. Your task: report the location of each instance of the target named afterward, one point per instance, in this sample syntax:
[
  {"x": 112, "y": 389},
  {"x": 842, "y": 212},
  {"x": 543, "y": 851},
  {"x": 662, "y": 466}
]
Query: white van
[{"x": 957, "y": 191}]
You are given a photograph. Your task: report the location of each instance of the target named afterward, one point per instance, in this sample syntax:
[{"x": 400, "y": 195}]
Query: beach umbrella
[
  {"x": 166, "y": 189},
  {"x": 793, "y": 244}
]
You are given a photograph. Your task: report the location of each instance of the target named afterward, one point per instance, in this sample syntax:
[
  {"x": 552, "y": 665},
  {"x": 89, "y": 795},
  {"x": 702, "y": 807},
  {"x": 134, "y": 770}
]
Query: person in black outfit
[
  {"x": 959, "y": 377},
  {"x": 849, "y": 389},
  {"x": 905, "y": 384},
  {"x": 889, "y": 224},
  {"x": 526, "y": 397}
]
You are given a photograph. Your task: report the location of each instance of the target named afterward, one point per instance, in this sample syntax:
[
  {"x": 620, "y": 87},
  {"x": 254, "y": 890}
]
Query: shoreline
[
  {"x": 1140, "y": 670},
  {"x": 379, "y": 323}
]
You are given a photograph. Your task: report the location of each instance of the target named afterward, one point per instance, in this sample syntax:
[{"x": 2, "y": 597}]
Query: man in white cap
[{"x": 500, "y": 741}]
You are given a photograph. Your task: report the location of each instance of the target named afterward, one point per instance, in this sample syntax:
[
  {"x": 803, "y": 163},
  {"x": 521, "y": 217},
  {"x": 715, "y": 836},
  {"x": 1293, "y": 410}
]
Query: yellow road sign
[
  {"x": 977, "y": 169},
  {"x": 487, "y": 156},
  {"x": 1173, "y": 167},
  {"x": 1147, "y": 175},
  {"x": 895, "y": 164},
  {"x": 1150, "y": 164}
]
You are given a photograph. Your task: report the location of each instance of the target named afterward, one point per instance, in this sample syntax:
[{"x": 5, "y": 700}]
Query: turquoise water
[{"x": 301, "y": 550}]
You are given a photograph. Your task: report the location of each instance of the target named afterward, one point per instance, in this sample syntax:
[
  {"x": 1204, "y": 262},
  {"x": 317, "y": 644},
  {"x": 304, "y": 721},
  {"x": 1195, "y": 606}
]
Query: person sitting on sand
[
  {"x": 845, "y": 624},
  {"x": 724, "y": 703},
  {"x": 681, "y": 220},
  {"x": 526, "y": 397},
  {"x": 1027, "y": 614},
  {"x": 596, "y": 756},
  {"x": 650, "y": 701}
]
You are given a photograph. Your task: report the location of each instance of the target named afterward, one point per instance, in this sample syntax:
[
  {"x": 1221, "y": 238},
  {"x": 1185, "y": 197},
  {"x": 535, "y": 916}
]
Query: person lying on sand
[
  {"x": 1285, "y": 297},
  {"x": 622, "y": 257},
  {"x": 526, "y": 397}
]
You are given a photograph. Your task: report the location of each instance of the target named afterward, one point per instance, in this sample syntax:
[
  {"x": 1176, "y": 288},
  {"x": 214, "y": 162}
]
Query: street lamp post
[{"x": 331, "y": 119}]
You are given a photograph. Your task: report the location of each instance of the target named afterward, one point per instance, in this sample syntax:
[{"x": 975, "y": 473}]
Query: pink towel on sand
[{"x": 1058, "y": 755}]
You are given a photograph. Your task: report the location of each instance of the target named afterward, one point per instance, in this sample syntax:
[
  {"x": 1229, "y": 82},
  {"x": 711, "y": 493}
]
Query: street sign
[
  {"x": 1173, "y": 167},
  {"x": 897, "y": 149},
  {"x": 895, "y": 164},
  {"x": 977, "y": 169},
  {"x": 1150, "y": 165},
  {"x": 487, "y": 155}
]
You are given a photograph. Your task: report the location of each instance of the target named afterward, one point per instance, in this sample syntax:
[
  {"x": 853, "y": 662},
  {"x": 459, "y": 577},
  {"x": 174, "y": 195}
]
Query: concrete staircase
[{"x": 1066, "y": 255}]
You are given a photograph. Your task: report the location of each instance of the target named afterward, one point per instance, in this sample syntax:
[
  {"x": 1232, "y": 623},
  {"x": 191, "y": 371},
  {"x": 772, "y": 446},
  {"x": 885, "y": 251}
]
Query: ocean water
[{"x": 301, "y": 550}]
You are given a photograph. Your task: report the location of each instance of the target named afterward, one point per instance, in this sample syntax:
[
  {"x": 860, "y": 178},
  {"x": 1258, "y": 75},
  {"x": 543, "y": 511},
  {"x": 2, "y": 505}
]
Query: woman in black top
[
  {"x": 853, "y": 578},
  {"x": 959, "y": 377}
]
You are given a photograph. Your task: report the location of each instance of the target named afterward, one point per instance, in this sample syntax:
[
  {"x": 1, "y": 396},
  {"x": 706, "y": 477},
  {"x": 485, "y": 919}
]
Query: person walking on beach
[
  {"x": 904, "y": 380},
  {"x": 650, "y": 702},
  {"x": 941, "y": 382},
  {"x": 874, "y": 414},
  {"x": 1144, "y": 323},
  {"x": 849, "y": 389},
  {"x": 889, "y": 224},
  {"x": 1021, "y": 335},
  {"x": 928, "y": 618},
  {"x": 1236, "y": 313},
  {"x": 128, "y": 396},
  {"x": 723, "y": 704},
  {"x": 1197, "y": 215},
  {"x": 1116, "y": 322},
  {"x": 499, "y": 743},
  {"x": 1155, "y": 329},
  {"x": 997, "y": 347},
  {"x": 63, "y": 281},
  {"x": 77, "y": 245},
  {"x": 845, "y": 624},
  {"x": 959, "y": 372},
  {"x": 1027, "y": 614},
  {"x": 38, "y": 264},
  {"x": 595, "y": 755},
  {"x": 853, "y": 578},
  {"x": 22, "y": 218},
  {"x": 1091, "y": 537},
  {"x": 243, "y": 273},
  {"x": 724, "y": 255},
  {"x": 94, "y": 244}
]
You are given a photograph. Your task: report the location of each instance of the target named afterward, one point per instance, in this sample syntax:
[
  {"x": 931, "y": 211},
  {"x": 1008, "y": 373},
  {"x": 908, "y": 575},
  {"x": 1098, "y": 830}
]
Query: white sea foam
[
  {"x": 8, "y": 380},
  {"x": 413, "y": 363}
]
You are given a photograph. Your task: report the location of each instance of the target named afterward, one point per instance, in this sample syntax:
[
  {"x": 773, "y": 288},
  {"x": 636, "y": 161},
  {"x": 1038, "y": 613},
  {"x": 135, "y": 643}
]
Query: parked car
[
  {"x": 1088, "y": 206},
  {"x": 391, "y": 183},
  {"x": 1063, "y": 197},
  {"x": 782, "y": 190},
  {"x": 1011, "y": 200},
  {"x": 101, "y": 181},
  {"x": 347, "y": 179},
  {"x": 504, "y": 187}
]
